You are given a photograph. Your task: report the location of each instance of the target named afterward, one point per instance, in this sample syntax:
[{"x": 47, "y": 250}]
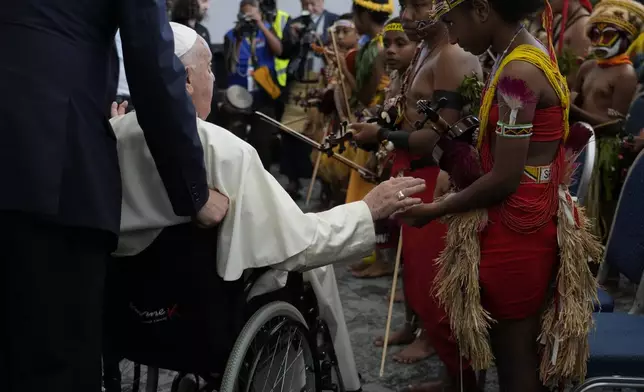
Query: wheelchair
[{"x": 167, "y": 308}]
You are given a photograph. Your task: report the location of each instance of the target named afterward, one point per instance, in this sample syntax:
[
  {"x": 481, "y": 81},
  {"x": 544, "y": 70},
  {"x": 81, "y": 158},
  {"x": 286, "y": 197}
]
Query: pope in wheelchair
[{"x": 252, "y": 303}]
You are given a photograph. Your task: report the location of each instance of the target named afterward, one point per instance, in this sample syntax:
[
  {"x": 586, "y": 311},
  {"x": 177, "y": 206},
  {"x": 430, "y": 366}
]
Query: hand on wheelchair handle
[
  {"x": 214, "y": 211},
  {"x": 384, "y": 199}
]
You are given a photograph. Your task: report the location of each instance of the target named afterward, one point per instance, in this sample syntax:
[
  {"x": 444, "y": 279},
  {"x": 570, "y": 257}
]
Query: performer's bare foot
[
  {"x": 377, "y": 269},
  {"x": 405, "y": 336},
  {"x": 418, "y": 350},
  {"x": 399, "y": 297}
]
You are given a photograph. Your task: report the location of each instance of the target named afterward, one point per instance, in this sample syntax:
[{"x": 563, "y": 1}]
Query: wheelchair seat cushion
[
  {"x": 606, "y": 303},
  {"x": 616, "y": 345}
]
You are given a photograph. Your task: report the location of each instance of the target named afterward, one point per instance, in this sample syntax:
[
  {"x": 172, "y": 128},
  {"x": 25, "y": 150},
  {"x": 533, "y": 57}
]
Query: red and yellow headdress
[{"x": 626, "y": 15}]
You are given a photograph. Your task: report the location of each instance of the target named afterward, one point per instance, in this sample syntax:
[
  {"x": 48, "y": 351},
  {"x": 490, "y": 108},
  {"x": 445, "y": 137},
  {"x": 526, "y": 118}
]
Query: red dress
[{"x": 517, "y": 266}]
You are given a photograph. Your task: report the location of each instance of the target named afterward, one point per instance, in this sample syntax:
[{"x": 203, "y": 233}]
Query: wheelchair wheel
[{"x": 274, "y": 352}]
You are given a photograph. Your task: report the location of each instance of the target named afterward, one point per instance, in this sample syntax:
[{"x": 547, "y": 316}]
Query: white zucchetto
[{"x": 184, "y": 38}]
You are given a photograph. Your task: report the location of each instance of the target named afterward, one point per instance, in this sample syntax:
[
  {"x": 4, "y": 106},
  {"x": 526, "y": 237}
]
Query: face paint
[{"x": 606, "y": 41}]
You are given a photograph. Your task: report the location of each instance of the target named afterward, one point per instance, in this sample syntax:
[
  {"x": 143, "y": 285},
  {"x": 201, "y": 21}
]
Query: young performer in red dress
[{"x": 515, "y": 232}]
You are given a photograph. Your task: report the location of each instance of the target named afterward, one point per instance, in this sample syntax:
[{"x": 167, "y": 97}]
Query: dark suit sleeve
[{"x": 157, "y": 82}]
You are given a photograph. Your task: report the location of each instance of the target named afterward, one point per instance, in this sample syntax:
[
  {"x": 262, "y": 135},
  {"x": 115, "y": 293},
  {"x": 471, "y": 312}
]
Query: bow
[{"x": 324, "y": 147}]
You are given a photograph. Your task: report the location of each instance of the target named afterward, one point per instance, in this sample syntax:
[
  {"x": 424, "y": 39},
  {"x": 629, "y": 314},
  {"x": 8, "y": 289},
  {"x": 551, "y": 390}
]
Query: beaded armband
[{"x": 513, "y": 130}]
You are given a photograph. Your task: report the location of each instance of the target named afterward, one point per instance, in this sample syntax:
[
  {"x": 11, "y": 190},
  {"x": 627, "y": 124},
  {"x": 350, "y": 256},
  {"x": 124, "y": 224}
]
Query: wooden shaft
[
  {"x": 315, "y": 169},
  {"x": 391, "y": 303},
  {"x": 342, "y": 85}
]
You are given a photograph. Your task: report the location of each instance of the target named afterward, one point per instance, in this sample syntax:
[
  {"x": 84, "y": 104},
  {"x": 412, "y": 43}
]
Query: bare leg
[
  {"x": 418, "y": 350},
  {"x": 398, "y": 297},
  {"x": 514, "y": 343},
  {"x": 406, "y": 335}
]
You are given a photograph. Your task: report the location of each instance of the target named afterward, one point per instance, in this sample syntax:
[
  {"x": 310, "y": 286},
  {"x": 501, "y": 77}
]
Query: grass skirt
[{"x": 567, "y": 319}]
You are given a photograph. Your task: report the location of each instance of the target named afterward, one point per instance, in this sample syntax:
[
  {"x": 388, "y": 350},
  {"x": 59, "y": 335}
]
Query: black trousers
[{"x": 51, "y": 282}]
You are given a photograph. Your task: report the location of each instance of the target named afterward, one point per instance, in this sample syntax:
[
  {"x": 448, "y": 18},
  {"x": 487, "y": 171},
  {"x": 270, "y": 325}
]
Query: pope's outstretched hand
[{"x": 393, "y": 195}]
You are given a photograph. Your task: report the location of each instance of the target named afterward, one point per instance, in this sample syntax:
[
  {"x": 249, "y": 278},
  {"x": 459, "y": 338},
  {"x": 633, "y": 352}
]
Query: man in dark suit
[
  {"x": 60, "y": 197},
  {"x": 303, "y": 71}
]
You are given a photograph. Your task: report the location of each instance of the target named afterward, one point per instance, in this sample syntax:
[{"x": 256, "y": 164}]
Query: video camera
[{"x": 307, "y": 32}]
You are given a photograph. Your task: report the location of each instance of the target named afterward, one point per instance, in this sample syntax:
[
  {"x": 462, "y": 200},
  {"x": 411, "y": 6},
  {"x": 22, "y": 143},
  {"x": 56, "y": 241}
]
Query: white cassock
[{"x": 263, "y": 226}]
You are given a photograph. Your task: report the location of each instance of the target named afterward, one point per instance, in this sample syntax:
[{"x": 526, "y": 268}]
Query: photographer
[
  {"x": 303, "y": 74},
  {"x": 250, "y": 49}
]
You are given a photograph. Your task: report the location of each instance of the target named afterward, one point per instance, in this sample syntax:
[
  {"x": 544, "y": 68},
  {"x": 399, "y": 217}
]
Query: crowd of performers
[{"x": 480, "y": 98}]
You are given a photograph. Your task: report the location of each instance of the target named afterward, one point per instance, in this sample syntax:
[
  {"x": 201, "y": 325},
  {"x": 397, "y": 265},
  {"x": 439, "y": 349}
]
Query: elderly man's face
[
  {"x": 313, "y": 6},
  {"x": 201, "y": 80}
]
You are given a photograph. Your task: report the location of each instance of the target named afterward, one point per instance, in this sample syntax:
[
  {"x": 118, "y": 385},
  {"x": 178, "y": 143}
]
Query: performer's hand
[
  {"x": 118, "y": 110},
  {"x": 364, "y": 133},
  {"x": 330, "y": 53},
  {"x": 214, "y": 211},
  {"x": 384, "y": 199},
  {"x": 418, "y": 215}
]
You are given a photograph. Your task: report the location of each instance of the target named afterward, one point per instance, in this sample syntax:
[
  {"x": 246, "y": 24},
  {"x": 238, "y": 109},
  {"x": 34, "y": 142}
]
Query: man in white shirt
[{"x": 263, "y": 226}]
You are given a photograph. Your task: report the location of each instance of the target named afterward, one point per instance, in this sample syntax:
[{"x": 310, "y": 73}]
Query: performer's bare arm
[
  {"x": 510, "y": 153},
  {"x": 452, "y": 67},
  {"x": 349, "y": 79}
]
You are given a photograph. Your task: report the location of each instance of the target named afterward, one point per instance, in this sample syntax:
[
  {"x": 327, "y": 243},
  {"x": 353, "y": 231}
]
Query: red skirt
[
  {"x": 421, "y": 246},
  {"x": 516, "y": 269}
]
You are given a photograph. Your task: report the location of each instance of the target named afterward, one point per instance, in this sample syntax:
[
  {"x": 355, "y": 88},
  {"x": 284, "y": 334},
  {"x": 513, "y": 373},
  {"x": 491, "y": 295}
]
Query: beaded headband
[
  {"x": 376, "y": 7},
  {"x": 394, "y": 27},
  {"x": 441, "y": 7},
  {"x": 344, "y": 23}
]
